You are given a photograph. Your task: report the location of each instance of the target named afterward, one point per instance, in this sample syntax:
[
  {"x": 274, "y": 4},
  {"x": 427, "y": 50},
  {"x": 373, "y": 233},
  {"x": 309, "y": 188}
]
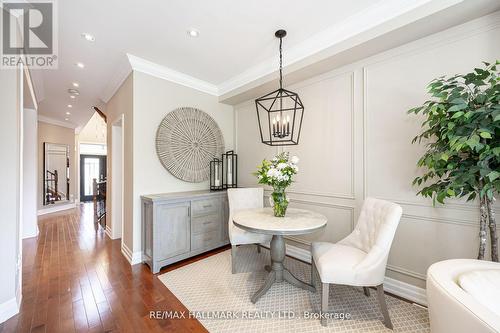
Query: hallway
[{"x": 75, "y": 279}]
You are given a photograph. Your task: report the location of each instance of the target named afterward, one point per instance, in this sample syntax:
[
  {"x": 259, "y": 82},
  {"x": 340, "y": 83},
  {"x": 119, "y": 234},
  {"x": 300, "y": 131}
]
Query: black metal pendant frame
[{"x": 280, "y": 113}]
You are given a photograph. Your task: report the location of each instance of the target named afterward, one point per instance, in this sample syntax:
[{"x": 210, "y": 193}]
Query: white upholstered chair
[
  {"x": 360, "y": 258},
  {"x": 239, "y": 199}
]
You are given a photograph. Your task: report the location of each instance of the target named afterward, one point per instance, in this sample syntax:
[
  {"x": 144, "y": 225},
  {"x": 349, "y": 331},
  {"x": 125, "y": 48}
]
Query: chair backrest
[
  {"x": 376, "y": 226},
  {"x": 244, "y": 198}
]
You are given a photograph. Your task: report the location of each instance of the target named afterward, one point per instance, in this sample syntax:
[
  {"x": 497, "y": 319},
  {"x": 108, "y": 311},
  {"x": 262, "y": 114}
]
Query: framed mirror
[{"x": 55, "y": 173}]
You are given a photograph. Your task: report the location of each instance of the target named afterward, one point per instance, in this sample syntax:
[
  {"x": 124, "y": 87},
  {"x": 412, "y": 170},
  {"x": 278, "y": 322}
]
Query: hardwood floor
[{"x": 75, "y": 279}]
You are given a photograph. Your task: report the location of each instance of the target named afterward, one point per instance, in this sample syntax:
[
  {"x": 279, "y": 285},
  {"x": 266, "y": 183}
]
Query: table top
[{"x": 295, "y": 222}]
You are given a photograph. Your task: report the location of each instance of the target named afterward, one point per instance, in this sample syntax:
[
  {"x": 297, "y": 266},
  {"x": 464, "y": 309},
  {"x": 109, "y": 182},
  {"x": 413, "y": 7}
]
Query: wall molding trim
[
  {"x": 393, "y": 286},
  {"x": 165, "y": 73},
  {"x": 56, "y": 208},
  {"x": 52, "y": 121},
  {"x": 133, "y": 258},
  {"x": 406, "y": 272},
  {"x": 9, "y": 308}
]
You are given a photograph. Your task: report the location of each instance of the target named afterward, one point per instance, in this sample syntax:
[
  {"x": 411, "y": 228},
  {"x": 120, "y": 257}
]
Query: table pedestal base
[{"x": 277, "y": 272}]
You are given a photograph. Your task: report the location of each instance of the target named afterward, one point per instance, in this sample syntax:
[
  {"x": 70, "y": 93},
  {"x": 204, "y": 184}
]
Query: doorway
[
  {"x": 91, "y": 167},
  {"x": 117, "y": 173}
]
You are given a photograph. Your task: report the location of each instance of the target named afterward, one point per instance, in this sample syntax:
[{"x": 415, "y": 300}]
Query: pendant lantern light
[{"x": 280, "y": 112}]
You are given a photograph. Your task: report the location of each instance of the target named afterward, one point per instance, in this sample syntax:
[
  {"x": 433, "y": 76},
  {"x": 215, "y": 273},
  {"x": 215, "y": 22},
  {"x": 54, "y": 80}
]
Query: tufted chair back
[
  {"x": 374, "y": 234},
  {"x": 244, "y": 198}
]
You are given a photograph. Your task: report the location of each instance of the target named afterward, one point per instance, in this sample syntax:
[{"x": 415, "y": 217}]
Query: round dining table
[{"x": 295, "y": 222}]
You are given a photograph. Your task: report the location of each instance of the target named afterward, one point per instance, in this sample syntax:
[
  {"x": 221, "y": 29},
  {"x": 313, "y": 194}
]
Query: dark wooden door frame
[{"x": 102, "y": 171}]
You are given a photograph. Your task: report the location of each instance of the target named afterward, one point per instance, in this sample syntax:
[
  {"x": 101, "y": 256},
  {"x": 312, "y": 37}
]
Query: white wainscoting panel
[{"x": 356, "y": 142}]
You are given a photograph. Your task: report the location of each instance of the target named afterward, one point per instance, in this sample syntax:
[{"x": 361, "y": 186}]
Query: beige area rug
[{"x": 221, "y": 300}]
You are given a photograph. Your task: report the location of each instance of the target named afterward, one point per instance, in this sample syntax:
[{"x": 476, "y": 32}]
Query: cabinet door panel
[{"x": 173, "y": 230}]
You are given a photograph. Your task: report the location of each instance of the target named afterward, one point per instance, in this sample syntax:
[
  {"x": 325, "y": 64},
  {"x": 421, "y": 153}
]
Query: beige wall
[
  {"x": 145, "y": 100},
  {"x": 61, "y": 135},
  {"x": 153, "y": 99},
  {"x": 10, "y": 169},
  {"x": 122, "y": 104},
  {"x": 356, "y": 142}
]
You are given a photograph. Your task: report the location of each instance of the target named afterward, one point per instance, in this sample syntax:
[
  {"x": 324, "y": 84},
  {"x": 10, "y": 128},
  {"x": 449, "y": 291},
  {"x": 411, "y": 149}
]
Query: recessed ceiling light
[
  {"x": 70, "y": 106},
  {"x": 73, "y": 92},
  {"x": 66, "y": 119},
  {"x": 68, "y": 113},
  {"x": 80, "y": 65},
  {"x": 88, "y": 37},
  {"x": 72, "y": 96},
  {"x": 76, "y": 84},
  {"x": 193, "y": 33}
]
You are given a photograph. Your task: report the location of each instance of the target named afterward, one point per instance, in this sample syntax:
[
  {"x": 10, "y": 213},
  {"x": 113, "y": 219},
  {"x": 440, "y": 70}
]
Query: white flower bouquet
[{"x": 278, "y": 173}]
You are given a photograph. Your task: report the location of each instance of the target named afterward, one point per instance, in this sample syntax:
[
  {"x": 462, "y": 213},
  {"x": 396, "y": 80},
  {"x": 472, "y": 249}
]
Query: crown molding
[
  {"x": 162, "y": 72},
  {"x": 374, "y": 20},
  {"x": 120, "y": 74},
  {"x": 52, "y": 121}
]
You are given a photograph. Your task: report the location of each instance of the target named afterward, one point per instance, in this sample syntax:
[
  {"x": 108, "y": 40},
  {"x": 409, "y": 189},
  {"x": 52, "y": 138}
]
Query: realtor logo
[{"x": 29, "y": 34}]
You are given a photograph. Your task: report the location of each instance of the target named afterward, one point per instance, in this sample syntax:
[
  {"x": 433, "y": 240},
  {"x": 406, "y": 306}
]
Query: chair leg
[
  {"x": 366, "y": 290},
  {"x": 383, "y": 306},
  {"x": 324, "y": 302},
  {"x": 258, "y": 248},
  {"x": 233, "y": 259}
]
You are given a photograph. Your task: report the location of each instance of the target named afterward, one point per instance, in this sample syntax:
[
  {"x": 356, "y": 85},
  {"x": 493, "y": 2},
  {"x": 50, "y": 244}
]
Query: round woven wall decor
[{"x": 186, "y": 141}]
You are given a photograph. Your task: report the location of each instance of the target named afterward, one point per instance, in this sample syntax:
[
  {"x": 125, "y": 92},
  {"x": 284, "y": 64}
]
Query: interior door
[{"x": 91, "y": 167}]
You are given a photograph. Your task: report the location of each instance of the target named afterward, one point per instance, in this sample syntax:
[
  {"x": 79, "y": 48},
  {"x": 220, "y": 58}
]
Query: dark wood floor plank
[{"x": 75, "y": 279}]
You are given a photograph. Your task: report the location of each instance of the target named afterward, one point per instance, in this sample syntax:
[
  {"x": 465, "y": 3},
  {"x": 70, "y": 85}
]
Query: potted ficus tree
[{"x": 462, "y": 135}]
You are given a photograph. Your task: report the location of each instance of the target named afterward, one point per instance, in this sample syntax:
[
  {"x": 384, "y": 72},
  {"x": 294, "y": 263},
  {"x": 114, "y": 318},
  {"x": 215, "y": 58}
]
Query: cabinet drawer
[
  {"x": 205, "y": 240},
  {"x": 205, "y": 223},
  {"x": 205, "y": 207}
]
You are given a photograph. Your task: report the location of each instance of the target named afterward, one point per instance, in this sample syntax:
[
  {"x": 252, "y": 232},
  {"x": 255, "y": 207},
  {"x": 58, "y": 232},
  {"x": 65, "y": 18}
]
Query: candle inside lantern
[
  {"x": 217, "y": 180},
  {"x": 229, "y": 173},
  {"x": 278, "y": 123},
  {"x": 274, "y": 126},
  {"x": 287, "y": 125}
]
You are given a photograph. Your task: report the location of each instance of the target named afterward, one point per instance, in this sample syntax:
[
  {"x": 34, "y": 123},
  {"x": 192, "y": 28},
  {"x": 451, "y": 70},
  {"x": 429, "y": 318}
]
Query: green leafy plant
[
  {"x": 278, "y": 173},
  {"x": 462, "y": 135}
]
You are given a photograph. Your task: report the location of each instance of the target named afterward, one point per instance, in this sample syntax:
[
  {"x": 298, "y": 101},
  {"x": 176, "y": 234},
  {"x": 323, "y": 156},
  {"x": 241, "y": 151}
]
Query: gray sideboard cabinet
[{"x": 176, "y": 226}]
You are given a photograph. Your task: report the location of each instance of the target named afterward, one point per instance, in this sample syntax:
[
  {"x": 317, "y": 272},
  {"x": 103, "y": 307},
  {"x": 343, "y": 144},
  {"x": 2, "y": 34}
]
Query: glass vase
[{"x": 280, "y": 202}]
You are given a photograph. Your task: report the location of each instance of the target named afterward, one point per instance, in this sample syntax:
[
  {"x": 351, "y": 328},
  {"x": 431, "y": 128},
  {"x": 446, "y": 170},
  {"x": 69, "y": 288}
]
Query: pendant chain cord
[{"x": 281, "y": 63}]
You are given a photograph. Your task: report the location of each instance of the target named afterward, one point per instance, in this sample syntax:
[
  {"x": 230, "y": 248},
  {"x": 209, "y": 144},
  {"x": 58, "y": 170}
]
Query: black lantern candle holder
[
  {"x": 230, "y": 169},
  {"x": 280, "y": 112},
  {"x": 216, "y": 173}
]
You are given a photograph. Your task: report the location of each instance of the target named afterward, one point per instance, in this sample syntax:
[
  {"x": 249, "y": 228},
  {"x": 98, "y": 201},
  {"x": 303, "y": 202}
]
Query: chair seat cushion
[
  {"x": 484, "y": 286},
  {"x": 239, "y": 236},
  {"x": 335, "y": 262}
]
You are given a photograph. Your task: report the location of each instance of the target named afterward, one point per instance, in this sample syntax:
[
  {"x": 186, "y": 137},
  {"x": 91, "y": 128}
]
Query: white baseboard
[
  {"x": 55, "y": 208},
  {"x": 133, "y": 258},
  {"x": 393, "y": 286},
  {"x": 405, "y": 290},
  {"x": 9, "y": 308},
  {"x": 31, "y": 235},
  {"x": 108, "y": 231}
]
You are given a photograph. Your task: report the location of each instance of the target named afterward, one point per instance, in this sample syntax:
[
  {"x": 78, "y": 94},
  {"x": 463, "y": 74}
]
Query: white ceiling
[{"x": 236, "y": 41}]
